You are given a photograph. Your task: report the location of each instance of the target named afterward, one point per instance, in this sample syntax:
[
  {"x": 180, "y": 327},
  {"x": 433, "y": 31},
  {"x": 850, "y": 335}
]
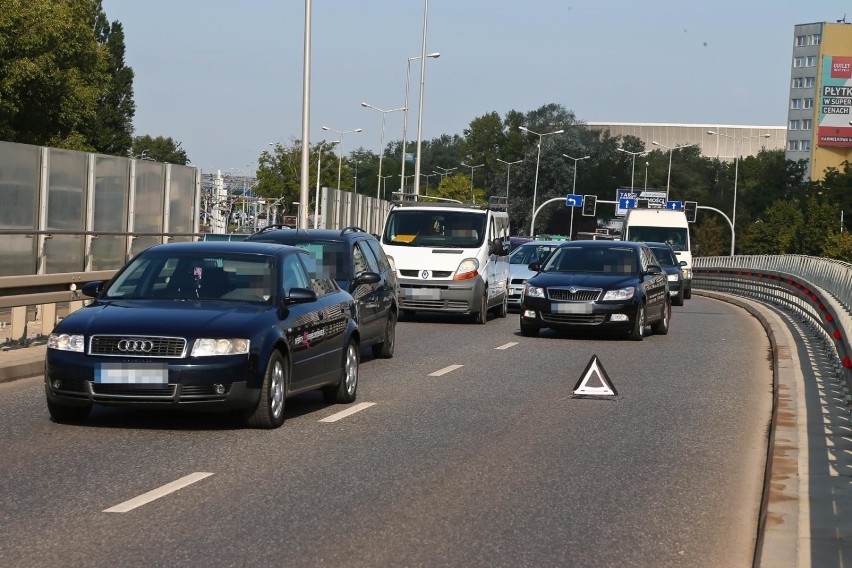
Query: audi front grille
[{"x": 137, "y": 346}]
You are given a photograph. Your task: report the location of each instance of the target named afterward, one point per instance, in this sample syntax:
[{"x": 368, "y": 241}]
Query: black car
[
  {"x": 355, "y": 259},
  {"x": 667, "y": 259},
  {"x": 612, "y": 285},
  {"x": 227, "y": 326}
]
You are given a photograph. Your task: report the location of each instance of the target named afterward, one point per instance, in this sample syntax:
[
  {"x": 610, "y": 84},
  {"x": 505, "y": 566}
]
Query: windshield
[
  {"x": 456, "y": 229},
  {"x": 187, "y": 276},
  {"x": 616, "y": 261},
  {"x": 664, "y": 256},
  {"x": 677, "y": 237},
  {"x": 526, "y": 254}
]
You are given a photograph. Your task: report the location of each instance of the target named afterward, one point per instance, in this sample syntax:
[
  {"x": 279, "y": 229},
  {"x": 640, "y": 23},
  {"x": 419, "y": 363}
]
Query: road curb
[{"x": 22, "y": 363}]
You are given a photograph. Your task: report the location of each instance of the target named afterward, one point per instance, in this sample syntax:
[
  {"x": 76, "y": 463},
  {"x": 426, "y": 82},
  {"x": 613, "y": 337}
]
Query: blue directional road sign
[
  {"x": 573, "y": 200},
  {"x": 674, "y": 205},
  {"x": 626, "y": 203}
]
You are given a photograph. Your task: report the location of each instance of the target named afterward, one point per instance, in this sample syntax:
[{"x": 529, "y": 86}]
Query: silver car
[{"x": 519, "y": 272}]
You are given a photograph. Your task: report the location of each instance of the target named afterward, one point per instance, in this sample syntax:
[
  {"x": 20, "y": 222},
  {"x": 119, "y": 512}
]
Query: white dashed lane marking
[
  {"x": 445, "y": 370},
  {"x": 349, "y": 411},
  {"x": 510, "y": 344},
  {"x": 146, "y": 498}
]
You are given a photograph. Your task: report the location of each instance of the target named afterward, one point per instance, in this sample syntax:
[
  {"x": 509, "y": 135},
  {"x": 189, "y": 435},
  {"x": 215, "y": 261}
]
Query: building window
[
  {"x": 816, "y": 39},
  {"x": 798, "y": 83},
  {"x": 810, "y": 61},
  {"x": 809, "y": 83},
  {"x": 794, "y": 125},
  {"x": 798, "y": 62},
  {"x": 800, "y": 41},
  {"x": 795, "y": 104},
  {"x": 807, "y": 124},
  {"x": 792, "y": 145},
  {"x": 805, "y": 146},
  {"x": 809, "y": 103}
]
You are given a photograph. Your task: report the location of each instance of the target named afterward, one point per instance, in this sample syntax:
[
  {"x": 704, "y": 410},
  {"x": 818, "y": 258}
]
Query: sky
[{"x": 224, "y": 77}]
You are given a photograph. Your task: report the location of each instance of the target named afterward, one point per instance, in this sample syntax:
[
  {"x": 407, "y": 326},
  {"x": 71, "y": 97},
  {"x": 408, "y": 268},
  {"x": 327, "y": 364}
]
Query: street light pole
[
  {"x": 472, "y": 196},
  {"x": 646, "y": 174},
  {"x": 737, "y": 140},
  {"x": 574, "y": 191},
  {"x": 342, "y": 133},
  {"x": 382, "y": 143},
  {"x": 385, "y": 185},
  {"x": 405, "y": 113},
  {"x": 671, "y": 150},
  {"x": 418, "y": 162},
  {"x": 319, "y": 175},
  {"x": 446, "y": 172},
  {"x": 537, "y": 161},
  {"x": 508, "y": 169},
  {"x": 633, "y": 168}
]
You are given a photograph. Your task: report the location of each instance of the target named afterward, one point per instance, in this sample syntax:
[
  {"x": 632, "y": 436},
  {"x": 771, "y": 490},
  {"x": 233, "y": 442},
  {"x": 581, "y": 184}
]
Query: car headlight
[
  {"x": 467, "y": 269},
  {"x": 673, "y": 277},
  {"x": 66, "y": 342},
  {"x": 621, "y": 294},
  {"x": 534, "y": 291},
  {"x": 207, "y": 347}
]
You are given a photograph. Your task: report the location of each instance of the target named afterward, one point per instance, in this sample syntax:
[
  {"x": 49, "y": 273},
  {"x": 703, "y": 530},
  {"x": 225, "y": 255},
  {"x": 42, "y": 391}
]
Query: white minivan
[
  {"x": 662, "y": 226},
  {"x": 449, "y": 257}
]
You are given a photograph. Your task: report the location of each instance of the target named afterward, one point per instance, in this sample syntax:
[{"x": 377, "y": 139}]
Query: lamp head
[
  {"x": 655, "y": 143},
  {"x": 363, "y": 104},
  {"x": 524, "y": 128},
  {"x": 326, "y": 128},
  {"x": 357, "y": 130},
  {"x": 712, "y": 133},
  {"x": 434, "y": 55},
  {"x": 560, "y": 131}
]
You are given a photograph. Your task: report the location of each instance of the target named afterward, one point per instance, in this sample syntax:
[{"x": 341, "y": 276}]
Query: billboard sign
[
  {"x": 835, "y": 109},
  {"x": 656, "y": 199}
]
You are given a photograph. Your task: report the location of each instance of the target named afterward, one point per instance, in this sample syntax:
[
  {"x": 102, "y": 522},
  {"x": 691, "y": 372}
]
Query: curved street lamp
[
  {"x": 508, "y": 169},
  {"x": 434, "y": 55},
  {"x": 342, "y": 133},
  {"x": 472, "y": 196},
  {"x": 633, "y": 168},
  {"x": 382, "y": 143},
  {"x": 671, "y": 150},
  {"x": 736, "y": 139},
  {"x": 574, "y": 191},
  {"x": 537, "y": 161}
]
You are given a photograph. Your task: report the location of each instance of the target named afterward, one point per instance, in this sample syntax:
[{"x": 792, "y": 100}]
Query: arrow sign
[
  {"x": 626, "y": 203},
  {"x": 573, "y": 200},
  {"x": 674, "y": 205}
]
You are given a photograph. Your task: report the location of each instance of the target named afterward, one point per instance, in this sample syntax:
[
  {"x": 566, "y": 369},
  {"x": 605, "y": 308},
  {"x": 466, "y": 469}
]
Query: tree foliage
[
  {"x": 159, "y": 149},
  {"x": 63, "y": 81}
]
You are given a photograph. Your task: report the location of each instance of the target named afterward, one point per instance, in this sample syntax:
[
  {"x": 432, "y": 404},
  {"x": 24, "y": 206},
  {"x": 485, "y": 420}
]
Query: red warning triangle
[{"x": 594, "y": 381}]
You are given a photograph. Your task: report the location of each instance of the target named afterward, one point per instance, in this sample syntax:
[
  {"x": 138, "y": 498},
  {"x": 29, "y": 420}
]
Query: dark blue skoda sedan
[
  {"x": 590, "y": 285},
  {"x": 218, "y": 326}
]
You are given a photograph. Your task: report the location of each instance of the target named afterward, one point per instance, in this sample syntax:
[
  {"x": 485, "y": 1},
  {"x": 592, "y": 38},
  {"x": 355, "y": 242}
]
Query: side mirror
[
  {"x": 92, "y": 289},
  {"x": 654, "y": 269},
  {"x": 534, "y": 266},
  {"x": 497, "y": 247},
  {"x": 300, "y": 296},
  {"x": 682, "y": 263},
  {"x": 365, "y": 278}
]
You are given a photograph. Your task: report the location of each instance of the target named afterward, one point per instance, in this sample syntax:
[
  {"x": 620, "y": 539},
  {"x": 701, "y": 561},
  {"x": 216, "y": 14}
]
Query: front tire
[
  {"x": 678, "y": 301},
  {"x": 503, "y": 310},
  {"x": 385, "y": 348},
  {"x": 346, "y": 390},
  {"x": 688, "y": 293},
  {"x": 482, "y": 315},
  {"x": 270, "y": 408},
  {"x": 66, "y": 414},
  {"x": 638, "y": 331},
  {"x": 529, "y": 330},
  {"x": 661, "y": 327}
]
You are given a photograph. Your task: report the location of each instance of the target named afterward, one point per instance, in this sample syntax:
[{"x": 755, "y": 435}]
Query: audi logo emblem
[{"x": 135, "y": 345}]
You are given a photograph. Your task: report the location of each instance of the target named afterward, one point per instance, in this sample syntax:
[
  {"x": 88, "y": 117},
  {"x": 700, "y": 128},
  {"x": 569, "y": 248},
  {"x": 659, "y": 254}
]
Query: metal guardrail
[{"x": 819, "y": 290}]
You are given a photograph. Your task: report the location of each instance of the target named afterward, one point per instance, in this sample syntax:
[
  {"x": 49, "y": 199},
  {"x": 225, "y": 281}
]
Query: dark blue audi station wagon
[{"x": 213, "y": 326}]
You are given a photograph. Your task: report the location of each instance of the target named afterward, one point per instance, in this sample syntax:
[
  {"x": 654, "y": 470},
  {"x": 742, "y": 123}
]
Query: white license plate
[
  {"x": 132, "y": 373},
  {"x": 423, "y": 293},
  {"x": 560, "y": 308}
]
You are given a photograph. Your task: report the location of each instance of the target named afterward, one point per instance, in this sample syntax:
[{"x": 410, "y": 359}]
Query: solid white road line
[
  {"x": 157, "y": 493},
  {"x": 349, "y": 411},
  {"x": 511, "y": 344},
  {"x": 445, "y": 370}
]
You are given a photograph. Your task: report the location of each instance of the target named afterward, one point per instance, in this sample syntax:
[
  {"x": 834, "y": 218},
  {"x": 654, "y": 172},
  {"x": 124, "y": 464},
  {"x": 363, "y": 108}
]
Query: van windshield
[
  {"x": 677, "y": 237},
  {"x": 454, "y": 229}
]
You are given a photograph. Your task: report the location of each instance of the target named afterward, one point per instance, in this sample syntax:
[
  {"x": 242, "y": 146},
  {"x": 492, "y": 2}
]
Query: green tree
[
  {"x": 710, "y": 238},
  {"x": 839, "y": 246},
  {"x": 777, "y": 233},
  {"x": 159, "y": 149},
  {"x": 458, "y": 187}
]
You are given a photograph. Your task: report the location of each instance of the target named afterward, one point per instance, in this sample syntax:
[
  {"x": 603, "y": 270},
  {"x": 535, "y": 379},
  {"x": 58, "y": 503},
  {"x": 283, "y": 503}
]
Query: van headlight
[
  {"x": 467, "y": 269},
  {"x": 687, "y": 273},
  {"x": 620, "y": 294},
  {"x": 673, "y": 277}
]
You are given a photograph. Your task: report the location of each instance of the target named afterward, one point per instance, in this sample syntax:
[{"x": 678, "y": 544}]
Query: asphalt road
[{"x": 492, "y": 463}]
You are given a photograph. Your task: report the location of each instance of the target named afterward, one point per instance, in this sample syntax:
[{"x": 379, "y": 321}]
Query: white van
[
  {"x": 449, "y": 257},
  {"x": 662, "y": 226}
]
